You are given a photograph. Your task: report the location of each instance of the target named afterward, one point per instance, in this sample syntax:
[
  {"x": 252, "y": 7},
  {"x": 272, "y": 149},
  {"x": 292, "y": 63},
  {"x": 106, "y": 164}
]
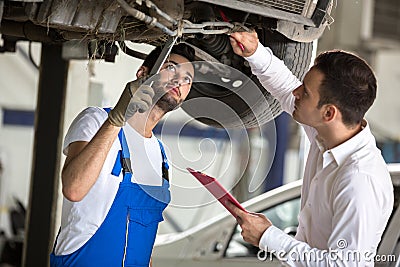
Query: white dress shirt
[{"x": 347, "y": 193}]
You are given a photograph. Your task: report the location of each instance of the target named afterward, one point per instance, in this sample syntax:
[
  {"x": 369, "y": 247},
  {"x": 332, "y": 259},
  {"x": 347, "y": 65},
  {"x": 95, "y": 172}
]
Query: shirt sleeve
[
  {"x": 355, "y": 224},
  {"x": 275, "y": 76},
  {"x": 84, "y": 126}
]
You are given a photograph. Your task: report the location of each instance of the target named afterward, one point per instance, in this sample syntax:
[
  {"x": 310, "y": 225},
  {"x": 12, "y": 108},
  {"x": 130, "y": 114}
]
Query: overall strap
[
  {"x": 165, "y": 166},
  {"x": 123, "y": 161},
  {"x": 126, "y": 160}
]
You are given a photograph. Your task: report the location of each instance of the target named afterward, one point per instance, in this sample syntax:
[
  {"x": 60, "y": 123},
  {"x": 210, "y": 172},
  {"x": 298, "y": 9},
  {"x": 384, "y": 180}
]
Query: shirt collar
[
  {"x": 326, "y": 154},
  {"x": 341, "y": 152}
]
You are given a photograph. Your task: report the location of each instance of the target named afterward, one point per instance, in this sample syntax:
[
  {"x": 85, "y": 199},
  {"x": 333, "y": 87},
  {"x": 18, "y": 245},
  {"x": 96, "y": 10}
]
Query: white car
[{"x": 217, "y": 242}]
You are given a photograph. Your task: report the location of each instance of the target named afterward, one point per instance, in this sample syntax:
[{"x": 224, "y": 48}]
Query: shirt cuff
[
  {"x": 261, "y": 59},
  {"x": 275, "y": 239}
]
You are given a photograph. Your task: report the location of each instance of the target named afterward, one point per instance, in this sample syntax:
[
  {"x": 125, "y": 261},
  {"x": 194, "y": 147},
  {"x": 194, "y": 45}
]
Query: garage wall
[
  {"x": 355, "y": 30},
  {"x": 18, "y": 90},
  {"x": 385, "y": 113}
]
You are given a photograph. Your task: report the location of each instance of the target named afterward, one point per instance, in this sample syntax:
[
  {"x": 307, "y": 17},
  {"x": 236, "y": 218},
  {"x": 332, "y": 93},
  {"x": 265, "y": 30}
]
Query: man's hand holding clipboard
[{"x": 253, "y": 224}]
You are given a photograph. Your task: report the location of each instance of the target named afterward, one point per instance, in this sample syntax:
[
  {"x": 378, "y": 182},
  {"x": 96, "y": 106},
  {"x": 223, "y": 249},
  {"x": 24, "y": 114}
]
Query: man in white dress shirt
[{"x": 347, "y": 194}]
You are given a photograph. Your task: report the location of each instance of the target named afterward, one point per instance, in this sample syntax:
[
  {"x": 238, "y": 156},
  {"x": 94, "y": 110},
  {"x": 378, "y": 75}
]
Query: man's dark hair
[
  {"x": 349, "y": 83},
  {"x": 179, "y": 49}
]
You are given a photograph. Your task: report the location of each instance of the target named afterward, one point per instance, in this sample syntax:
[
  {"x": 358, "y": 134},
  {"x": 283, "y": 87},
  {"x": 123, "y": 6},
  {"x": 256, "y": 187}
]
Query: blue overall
[{"x": 126, "y": 237}]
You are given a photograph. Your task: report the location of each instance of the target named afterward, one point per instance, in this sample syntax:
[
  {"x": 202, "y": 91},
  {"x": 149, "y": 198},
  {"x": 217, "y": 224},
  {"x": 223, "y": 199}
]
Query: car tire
[{"x": 252, "y": 105}]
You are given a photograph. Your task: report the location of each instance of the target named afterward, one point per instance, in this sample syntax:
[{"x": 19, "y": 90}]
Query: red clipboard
[{"x": 217, "y": 190}]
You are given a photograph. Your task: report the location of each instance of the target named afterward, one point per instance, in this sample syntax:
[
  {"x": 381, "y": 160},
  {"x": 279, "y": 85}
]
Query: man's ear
[
  {"x": 330, "y": 112},
  {"x": 142, "y": 72}
]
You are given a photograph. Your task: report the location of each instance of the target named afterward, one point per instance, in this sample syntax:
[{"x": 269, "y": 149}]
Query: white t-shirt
[{"x": 80, "y": 220}]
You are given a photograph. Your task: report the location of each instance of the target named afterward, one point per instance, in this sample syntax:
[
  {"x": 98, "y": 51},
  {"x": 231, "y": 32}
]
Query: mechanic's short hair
[
  {"x": 349, "y": 83},
  {"x": 179, "y": 49}
]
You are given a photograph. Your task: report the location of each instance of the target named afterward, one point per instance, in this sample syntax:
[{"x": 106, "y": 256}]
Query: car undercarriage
[{"x": 107, "y": 26}]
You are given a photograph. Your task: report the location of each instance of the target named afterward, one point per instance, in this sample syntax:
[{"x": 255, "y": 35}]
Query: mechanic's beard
[{"x": 164, "y": 101}]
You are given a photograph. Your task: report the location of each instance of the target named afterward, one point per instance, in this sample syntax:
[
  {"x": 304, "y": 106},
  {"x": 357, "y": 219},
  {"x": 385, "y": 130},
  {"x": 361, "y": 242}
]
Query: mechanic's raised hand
[
  {"x": 248, "y": 41},
  {"x": 253, "y": 224},
  {"x": 135, "y": 97}
]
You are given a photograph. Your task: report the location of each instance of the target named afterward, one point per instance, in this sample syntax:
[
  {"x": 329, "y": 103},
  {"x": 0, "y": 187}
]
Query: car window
[{"x": 283, "y": 216}]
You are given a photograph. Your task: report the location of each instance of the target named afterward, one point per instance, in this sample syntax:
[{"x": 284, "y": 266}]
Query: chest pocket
[{"x": 145, "y": 217}]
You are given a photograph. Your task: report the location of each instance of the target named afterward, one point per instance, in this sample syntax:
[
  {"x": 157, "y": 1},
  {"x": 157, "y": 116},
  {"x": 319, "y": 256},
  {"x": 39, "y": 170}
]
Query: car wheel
[{"x": 235, "y": 98}]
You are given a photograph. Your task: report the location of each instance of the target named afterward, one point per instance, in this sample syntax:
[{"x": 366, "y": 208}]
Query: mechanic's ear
[{"x": 142, "y": 72}]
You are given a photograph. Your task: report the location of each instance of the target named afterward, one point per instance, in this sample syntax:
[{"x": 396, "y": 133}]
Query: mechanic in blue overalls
[{"x": 115, "y": 176}]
